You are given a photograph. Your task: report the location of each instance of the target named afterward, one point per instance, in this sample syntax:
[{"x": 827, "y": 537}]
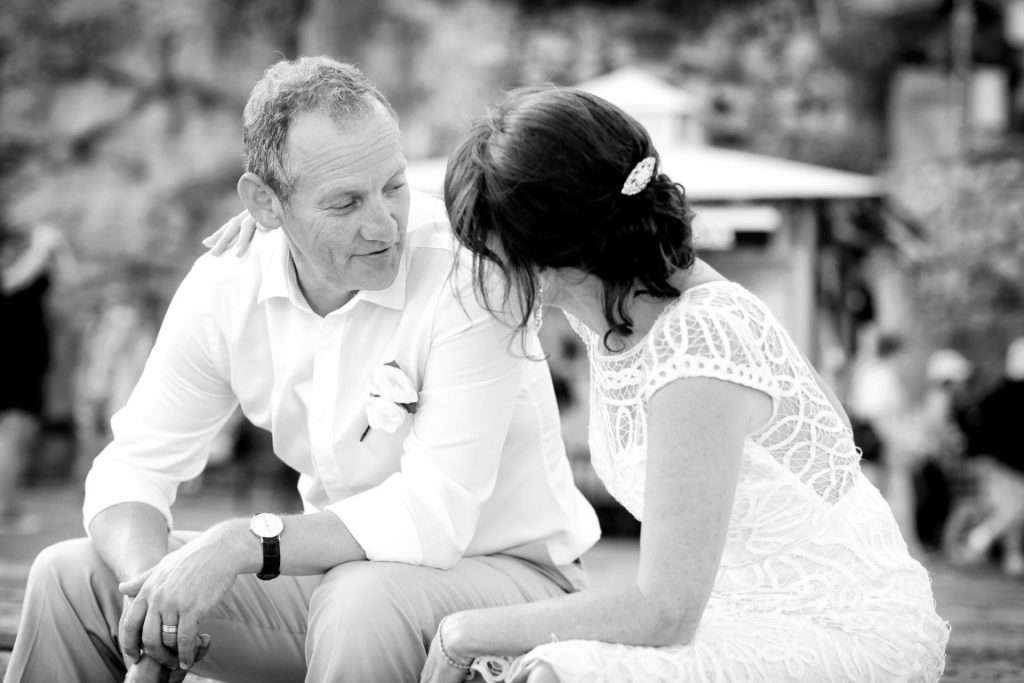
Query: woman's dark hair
[{"x": 537, "y": 184}]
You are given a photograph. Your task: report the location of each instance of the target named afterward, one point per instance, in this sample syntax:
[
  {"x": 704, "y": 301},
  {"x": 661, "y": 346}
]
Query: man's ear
[{"x": 260, "y": 201}]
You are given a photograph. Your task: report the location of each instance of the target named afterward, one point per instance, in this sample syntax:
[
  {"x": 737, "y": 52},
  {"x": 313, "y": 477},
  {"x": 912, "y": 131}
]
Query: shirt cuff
[
  {"x": 381, "y": 523},
  {"x": 110, "y": 484}
]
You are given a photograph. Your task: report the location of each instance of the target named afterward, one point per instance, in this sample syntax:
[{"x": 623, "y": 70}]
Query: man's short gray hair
[{"x": 288, "y": 88}]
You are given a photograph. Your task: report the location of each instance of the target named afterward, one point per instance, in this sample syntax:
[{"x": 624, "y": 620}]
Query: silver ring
[{"x": 170, "y": 629}]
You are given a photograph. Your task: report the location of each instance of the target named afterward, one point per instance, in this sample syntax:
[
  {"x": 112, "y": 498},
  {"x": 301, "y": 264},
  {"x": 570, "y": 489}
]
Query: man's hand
[
  {"x": 177, "y": 592},
  {"x": 145, "y": 669},
  {"x": 148, "y": 670},
  {"x": 130, "y": 656}
]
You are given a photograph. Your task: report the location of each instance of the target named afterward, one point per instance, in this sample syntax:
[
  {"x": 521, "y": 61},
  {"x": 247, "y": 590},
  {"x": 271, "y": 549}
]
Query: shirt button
[{"x": 330, "y": 479}]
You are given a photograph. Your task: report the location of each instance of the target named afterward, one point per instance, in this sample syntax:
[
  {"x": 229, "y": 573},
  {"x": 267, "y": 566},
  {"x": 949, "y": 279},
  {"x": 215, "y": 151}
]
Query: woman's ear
[{"x": 260, "y": 201}]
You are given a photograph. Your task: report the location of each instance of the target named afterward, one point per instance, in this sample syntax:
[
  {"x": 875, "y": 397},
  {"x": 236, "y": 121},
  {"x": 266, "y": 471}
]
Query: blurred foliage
[
  {"x": 276, "y": 21},
  {"x": 970, "y": 277},
  {"x": 119, "y": 118},
  {"x": 123, "y": 108}
]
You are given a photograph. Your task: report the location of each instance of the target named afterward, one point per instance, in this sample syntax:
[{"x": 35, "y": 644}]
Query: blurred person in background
[
  {"x": 114, "y": 349},
  {"x": 879, "y": 396},
  {"x": 999, "y": 450},
  {"x": 30, "y": 256},
  {"x": 942, "y": 444},
  {"x": 433, "y": 475}
]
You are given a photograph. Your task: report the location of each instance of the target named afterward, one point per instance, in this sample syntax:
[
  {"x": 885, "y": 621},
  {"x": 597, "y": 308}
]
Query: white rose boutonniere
[{"x": 392, "y": 398}]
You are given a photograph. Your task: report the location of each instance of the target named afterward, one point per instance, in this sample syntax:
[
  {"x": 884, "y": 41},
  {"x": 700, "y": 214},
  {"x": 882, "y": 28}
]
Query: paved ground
[{"x": 985, "y": 609}]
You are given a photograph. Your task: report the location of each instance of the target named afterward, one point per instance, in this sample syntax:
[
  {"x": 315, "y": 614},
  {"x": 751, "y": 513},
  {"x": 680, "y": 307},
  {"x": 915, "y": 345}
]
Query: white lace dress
[{"x": 815, "y": 583}]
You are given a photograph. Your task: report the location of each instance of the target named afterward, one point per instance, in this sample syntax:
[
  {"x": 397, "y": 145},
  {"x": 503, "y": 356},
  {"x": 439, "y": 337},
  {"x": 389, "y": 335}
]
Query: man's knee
[
  {"x": 368, "y": 617},
  {"x": 69, "y": 619},
  {"x": 71, "y": 572},
  {"x": 67, "y": 563},
  {"x": 363, "y": 593}
]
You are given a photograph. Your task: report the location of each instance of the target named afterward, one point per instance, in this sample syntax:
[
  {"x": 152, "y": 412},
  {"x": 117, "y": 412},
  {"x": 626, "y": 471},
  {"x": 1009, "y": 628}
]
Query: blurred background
[{"x": 859, "y": 164}]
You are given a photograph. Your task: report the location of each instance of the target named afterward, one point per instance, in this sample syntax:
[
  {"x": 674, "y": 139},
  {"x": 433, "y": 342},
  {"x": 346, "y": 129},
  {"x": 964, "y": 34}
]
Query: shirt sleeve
[
  {"x": 162, "y": 435},
  {"x": 427, "y": 513},
  {"x": 706, "y": 341}
]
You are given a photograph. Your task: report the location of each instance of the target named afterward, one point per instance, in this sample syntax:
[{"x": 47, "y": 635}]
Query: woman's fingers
[
  {"x": 245, "y": 235},
  {"x": 224, "y": 237},
  {"x": 238, "y": 231}
]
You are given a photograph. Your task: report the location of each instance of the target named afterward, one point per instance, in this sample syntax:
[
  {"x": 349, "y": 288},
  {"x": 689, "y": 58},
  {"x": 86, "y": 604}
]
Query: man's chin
[
  {"x": 382, "y": 278},
  {"x": 380, "y": 269}
]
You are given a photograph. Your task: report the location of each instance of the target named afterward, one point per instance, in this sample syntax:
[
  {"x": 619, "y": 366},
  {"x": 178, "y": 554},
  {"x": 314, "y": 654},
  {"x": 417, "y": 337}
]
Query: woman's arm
[{"x": 696, "y": 429}]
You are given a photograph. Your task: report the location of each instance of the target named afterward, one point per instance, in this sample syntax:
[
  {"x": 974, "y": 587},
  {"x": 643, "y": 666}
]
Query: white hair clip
[{"x": 639, "y": 177}]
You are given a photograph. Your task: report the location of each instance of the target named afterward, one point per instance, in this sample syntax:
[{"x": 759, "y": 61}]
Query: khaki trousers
[{"x": 360, "y": 622}]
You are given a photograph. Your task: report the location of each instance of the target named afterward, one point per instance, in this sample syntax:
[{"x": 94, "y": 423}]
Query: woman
[{"x": 764, "y": 553}]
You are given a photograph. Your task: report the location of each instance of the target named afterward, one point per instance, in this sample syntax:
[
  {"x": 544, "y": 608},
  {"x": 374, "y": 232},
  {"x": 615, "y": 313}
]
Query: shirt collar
[{"x": 279, "y": 278}]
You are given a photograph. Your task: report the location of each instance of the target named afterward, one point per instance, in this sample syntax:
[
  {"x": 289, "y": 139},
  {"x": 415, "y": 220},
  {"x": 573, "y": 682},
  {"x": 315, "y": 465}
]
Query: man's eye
[
  {"x": 394, "y": 187},
  {"x": 348, "y": 206}
]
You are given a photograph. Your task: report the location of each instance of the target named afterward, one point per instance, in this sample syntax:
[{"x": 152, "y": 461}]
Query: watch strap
[{"x": 271, "y": 559}]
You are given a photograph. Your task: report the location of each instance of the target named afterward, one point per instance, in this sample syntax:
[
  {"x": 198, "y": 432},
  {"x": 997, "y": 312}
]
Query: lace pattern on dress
[
  {"x": 716, "y": 330},
  {"x": 815, "y": 581}
]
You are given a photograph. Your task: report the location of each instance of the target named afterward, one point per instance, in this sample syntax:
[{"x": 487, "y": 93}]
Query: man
[{"x": 468, "y": 502}]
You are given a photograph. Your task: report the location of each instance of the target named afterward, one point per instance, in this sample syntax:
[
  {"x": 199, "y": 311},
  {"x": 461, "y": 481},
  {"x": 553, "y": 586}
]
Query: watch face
[{"x": 266, "y": 525}]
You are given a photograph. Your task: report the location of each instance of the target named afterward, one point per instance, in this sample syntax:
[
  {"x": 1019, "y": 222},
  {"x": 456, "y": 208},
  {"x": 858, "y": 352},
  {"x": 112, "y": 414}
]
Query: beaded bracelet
[{"x": 444, "y": 651}]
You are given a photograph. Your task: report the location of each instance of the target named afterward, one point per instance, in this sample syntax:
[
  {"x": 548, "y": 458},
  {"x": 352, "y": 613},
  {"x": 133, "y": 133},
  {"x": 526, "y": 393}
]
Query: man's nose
[{"x": 379, "y": 224}]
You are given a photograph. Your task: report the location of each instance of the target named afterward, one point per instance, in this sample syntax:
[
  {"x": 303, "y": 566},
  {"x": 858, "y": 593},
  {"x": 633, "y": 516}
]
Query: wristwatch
[{"x": 268, "y": 527}]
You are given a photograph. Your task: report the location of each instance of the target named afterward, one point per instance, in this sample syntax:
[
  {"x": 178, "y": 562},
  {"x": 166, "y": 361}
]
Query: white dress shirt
[{"x": 479, "y": 468}]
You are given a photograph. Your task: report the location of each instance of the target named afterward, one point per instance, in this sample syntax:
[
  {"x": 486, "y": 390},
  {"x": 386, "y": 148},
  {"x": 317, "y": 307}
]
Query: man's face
[{"x": 346, "y": 218}]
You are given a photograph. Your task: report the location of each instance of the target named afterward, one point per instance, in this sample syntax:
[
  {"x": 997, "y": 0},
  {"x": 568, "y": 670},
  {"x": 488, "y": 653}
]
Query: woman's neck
[{"x": 581, "y": 296}]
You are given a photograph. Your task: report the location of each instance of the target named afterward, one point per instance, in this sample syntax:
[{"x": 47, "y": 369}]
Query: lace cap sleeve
[
  {"x": 581, "y": 330},
  {"x": 708, "y": 337}
]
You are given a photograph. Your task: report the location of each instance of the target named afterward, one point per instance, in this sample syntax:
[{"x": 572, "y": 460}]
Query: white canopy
[
  {"x": 639, "y": 92},
  {"x": 709, "y": 174},
  {"x": 712, "y": 174}
]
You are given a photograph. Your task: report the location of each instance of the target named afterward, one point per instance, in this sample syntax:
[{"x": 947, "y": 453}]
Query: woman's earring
[{"x": 538, "y": 311}]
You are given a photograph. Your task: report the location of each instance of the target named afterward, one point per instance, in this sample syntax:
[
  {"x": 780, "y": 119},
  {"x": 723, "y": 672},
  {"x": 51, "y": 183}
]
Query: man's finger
[
  {"x": 152, "y": 640},
  {"x": 188, "y": 642},
  {"x": 130, "y": 630},
  {"x": 169, "y": 633},
  {"x": 201, "y": 644},
  {"x": 146, "y": 670},
  {"x": 204, "y": 646},
  {"x": 132, "y": 586}
]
